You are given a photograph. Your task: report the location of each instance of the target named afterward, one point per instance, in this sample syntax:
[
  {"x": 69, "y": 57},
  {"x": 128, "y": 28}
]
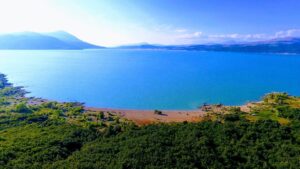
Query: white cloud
[
  {"x": 288, "y": 33},
  {"x": 244, "y": 37},
  {"x": 199, "y": 37},
  {"x": 197, "y": 34},
  {"x": 190, "y": 35},
  {"x": 180, "y": 30}
]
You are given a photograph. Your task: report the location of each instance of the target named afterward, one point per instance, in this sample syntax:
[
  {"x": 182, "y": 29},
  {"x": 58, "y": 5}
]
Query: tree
[{"x": 22, "y": 108}]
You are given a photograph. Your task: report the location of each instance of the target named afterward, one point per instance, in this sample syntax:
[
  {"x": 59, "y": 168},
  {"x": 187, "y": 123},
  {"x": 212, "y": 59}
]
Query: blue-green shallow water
[{"x": 151, "y": 79}]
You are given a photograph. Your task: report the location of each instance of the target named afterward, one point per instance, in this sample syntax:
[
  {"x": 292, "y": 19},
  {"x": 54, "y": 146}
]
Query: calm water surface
[{"x": 151, "y": 79}]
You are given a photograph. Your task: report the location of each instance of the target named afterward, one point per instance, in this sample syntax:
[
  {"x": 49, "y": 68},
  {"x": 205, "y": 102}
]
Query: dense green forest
[{"x": 35, "y": 133}]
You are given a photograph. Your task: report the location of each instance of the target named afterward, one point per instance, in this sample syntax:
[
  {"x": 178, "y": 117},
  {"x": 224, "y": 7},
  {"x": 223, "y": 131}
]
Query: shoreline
[
  {"x": 143, "y": 117},
  {"x": 139, "y": 117}
]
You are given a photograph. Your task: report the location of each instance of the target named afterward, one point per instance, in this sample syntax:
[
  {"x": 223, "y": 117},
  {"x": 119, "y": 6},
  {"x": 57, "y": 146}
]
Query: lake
[{"x": 151, "y": 79}]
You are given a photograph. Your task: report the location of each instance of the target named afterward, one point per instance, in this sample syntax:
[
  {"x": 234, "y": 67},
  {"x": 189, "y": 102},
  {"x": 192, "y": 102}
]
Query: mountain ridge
[
  {"x": 43, "y": 41},
  {"x": 280, "y": 45},
  {"x": 66, "y": 41}
]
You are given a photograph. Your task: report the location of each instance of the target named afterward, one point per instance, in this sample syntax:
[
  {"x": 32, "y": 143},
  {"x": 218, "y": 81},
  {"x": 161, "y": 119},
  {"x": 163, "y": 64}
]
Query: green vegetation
[
  {"x": 36, "y": 133},
  {"x": 279, "y": 107}
]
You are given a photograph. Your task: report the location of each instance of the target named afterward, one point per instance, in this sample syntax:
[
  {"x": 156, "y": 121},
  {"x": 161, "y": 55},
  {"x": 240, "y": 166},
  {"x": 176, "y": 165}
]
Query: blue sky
[{"x": 116, "y": 22}]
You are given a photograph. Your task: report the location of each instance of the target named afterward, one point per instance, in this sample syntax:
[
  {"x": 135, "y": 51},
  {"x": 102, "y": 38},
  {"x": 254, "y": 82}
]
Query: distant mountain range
[
  {"x": 64, "y": 40},
  {"x": 43, "y": 41},
  {"x": 284, "y": 45}
]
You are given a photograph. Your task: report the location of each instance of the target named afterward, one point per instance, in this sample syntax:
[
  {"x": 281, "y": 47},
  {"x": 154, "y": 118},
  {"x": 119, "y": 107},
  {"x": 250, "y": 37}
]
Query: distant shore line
[{"x": 156, "y": 49}]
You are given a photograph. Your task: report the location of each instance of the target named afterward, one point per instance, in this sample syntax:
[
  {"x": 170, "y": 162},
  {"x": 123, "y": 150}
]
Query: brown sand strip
[{"x": 142, "y": 117}]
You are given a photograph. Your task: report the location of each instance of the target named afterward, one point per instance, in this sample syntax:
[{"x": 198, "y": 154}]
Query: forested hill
[{"x": 36, "y": 133}]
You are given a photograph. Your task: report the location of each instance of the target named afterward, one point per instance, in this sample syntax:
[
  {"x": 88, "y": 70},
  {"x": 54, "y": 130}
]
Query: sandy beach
[{"x": 142, "y": 117}]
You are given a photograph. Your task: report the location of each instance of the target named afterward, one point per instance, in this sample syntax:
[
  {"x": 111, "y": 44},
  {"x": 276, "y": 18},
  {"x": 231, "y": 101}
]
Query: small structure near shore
[
  {"x": 158, "y": 112},
  {"x": 211, "y": 107},
  {"x": 205, "y": 107}
]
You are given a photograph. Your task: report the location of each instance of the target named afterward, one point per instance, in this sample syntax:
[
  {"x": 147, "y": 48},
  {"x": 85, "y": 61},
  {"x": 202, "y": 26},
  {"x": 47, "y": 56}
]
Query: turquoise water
[{"x": 151, "y": 79}]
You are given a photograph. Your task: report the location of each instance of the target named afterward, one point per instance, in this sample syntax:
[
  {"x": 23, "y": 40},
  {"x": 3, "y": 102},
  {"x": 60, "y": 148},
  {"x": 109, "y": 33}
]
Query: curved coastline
[{"x": 139, "y": 117}]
